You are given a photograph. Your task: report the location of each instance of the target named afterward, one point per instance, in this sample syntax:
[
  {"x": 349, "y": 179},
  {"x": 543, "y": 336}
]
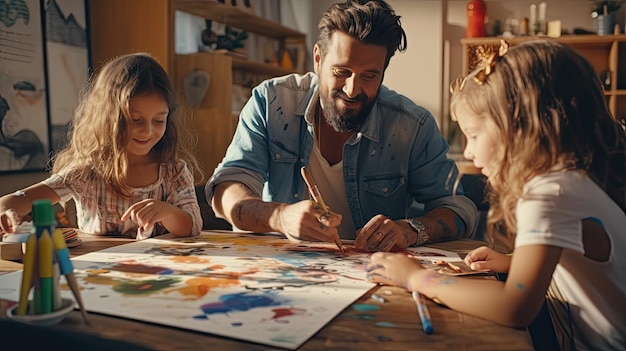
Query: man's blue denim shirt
[{"x": 396, "y": 165}]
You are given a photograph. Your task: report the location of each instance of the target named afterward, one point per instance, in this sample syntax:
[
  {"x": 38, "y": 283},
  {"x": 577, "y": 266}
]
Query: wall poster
[
  {"x": 67, "y": 54},
  {"x": 43, "y": 65},
  {"x": 24, "y": 137}
]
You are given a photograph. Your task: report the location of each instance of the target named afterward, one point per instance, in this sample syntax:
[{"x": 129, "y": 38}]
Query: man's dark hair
[{"x": 370, "y": 21}]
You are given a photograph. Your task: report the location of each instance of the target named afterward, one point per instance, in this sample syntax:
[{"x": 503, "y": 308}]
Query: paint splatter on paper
[{"x": 258, "y": 288}]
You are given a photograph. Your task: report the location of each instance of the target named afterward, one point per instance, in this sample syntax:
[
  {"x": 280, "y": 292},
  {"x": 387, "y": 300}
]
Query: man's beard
[{"x": 345, "y": 120}]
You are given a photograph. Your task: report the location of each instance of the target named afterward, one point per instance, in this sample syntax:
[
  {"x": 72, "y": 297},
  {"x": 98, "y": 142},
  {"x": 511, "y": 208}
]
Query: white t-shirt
[{"x": 587, "y": 299}]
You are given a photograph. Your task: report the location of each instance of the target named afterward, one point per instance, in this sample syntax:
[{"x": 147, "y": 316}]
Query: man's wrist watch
[{"x": 419, "y": 229}]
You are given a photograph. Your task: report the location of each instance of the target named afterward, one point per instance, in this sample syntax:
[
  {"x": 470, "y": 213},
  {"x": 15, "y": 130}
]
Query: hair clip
[{"x": 489, "y": 61}]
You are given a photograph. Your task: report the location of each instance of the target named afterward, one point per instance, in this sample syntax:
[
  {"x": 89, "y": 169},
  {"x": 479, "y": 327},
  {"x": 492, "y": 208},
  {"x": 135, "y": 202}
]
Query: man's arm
[
  {"x": 304, "y": 220},
  {"x": 441, "y": 224},
  {"x": 244, "y": 209}
]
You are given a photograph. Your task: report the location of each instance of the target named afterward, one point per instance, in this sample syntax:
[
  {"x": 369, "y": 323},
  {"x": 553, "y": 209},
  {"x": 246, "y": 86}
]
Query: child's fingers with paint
[
  {"x": 393, "y": 269},
  {"x": 145, "y": 213},
  {"x": 484, "y": 258},
  {"x": 9, "y": 220}
]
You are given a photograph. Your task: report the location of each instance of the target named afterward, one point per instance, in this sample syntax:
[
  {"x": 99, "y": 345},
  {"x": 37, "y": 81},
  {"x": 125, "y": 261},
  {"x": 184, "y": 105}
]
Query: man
[{"x": 378, "y": 159}]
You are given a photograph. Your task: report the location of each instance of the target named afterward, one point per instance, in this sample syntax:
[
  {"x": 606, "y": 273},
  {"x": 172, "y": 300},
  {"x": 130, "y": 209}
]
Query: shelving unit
[
  {"x": 604, "y": 52},
  {"x": 124, "y": 26}
]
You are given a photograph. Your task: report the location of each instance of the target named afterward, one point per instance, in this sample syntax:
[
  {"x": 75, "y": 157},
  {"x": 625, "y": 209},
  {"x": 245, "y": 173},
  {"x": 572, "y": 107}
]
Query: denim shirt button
[
  {"x": 385, "y": 189},
  {"x": 296, "y": 195},
  {"x": 373, "y": 152},
  {"x": 277, "y": 156}
]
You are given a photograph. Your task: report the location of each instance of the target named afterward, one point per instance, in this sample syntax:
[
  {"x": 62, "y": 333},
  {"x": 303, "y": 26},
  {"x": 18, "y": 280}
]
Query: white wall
[{"x": 417, "y": 73}]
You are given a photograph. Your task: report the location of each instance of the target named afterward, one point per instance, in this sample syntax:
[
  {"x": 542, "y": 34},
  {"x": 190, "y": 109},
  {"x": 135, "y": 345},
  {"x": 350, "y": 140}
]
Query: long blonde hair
[
  {"x": 99, "y": 132},
  {"x": 548, "y": 108}
]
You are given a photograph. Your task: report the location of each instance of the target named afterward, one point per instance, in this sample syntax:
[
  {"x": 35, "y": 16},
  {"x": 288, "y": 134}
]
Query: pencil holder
[
  {"x": 45, "y": 260},
  {"x": 46, "y": 319}
]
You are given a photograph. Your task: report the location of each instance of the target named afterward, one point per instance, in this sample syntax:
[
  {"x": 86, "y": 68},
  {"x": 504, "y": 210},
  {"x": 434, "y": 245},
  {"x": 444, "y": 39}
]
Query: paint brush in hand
[{"x": 315, "y": 194}]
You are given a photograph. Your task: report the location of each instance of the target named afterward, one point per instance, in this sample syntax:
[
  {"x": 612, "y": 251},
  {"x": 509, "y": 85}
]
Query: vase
[
  {"x": 604, "y": 24},
  {"x": 476, "y": 14}
]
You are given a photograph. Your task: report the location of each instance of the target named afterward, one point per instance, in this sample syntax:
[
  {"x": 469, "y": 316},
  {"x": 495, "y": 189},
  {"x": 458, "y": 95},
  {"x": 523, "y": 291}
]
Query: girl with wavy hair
[
  {"x": 128, "y": 163},
  {"x": 538, "y": 127}
]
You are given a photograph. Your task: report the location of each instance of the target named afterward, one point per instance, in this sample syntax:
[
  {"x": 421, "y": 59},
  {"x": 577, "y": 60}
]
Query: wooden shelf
[
  {"x": 587, "y": 40},
  {"x": 259, "y": 67},
  {"x": 236, "y": 17}
]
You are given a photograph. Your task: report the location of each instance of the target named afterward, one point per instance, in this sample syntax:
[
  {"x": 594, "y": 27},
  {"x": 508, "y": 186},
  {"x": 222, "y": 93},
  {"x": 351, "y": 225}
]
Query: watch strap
[{"x": 420, "y": 230}]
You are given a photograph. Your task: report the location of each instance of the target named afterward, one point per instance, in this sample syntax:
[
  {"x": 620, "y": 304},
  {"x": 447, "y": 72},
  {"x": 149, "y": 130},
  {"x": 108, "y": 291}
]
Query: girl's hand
[
  {"x": 484, "y": 258},
  {"x": 146, "y": 213},
  {"x": 394, "y": 269},
  {"x": 9, "y": 220}
]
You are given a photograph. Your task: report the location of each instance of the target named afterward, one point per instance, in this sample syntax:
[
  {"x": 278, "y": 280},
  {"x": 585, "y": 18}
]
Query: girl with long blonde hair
[
  {"x": 128, "y": 163},
  {"x": 538, "y": 127}
]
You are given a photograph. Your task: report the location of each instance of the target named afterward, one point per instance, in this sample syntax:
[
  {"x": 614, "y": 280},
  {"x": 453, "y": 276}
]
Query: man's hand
[
  {"x": 307, "y": 221},
  {"x": 383, "y": 234}
]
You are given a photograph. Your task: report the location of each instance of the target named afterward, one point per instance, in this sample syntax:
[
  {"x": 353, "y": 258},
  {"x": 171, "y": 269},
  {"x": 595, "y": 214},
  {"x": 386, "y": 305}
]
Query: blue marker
[
  {"x": 67, "y": 269},
  {"x": 422, "y": 309}
]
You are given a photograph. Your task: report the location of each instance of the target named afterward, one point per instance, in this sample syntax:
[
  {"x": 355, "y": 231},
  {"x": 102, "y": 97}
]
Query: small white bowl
[{"x": 45, "y": 319}]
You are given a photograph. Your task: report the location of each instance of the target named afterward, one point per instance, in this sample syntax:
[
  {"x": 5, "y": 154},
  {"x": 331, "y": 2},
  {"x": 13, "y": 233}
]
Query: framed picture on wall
[
  {"x": 24, "y": 134},
  {"x": 68, "y": 61},
  {"x": 296, "y": 48}
]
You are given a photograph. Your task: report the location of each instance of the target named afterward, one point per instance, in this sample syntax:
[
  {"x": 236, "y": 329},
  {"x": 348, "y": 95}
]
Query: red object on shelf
[{"x": 476, "y": 13}]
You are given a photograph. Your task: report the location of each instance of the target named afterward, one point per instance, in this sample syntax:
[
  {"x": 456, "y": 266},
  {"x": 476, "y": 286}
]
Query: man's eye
[
  {"x": 342, "y": 73},
  {"x": 370, "y": 76}
]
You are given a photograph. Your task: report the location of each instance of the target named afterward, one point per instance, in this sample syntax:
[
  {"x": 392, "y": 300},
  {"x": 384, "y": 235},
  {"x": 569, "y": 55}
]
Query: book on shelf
[{"x": 12, "y": 246}]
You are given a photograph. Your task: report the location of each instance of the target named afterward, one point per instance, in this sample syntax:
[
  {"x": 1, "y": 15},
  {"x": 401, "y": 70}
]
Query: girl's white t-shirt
[{"x": 587, "y": 299}]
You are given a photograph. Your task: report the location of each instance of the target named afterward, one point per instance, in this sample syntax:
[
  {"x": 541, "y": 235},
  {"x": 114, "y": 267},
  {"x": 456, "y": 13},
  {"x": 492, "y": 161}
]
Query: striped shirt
[{"x": 99, "y": 210}]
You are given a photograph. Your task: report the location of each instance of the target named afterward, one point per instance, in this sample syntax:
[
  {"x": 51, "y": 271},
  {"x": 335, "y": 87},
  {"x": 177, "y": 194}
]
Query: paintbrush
[{"x": 315, "y": 194}]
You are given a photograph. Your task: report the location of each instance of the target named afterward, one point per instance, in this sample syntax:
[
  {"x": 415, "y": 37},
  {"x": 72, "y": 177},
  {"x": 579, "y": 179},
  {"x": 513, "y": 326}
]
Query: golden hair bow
[{"x": 488, "y": 62}]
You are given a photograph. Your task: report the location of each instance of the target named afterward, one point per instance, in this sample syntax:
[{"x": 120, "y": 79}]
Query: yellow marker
[{"x": 27, "y": 273}]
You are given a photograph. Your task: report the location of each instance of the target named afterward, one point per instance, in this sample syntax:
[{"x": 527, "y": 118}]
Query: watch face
[{"x": 417, "y": 225}]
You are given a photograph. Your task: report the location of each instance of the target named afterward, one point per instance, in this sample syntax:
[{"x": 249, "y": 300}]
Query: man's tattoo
[
  {"x": 447, "y": 231},
  {"x": 408, "y": 237},
  {"x": 239, "y": 213}
]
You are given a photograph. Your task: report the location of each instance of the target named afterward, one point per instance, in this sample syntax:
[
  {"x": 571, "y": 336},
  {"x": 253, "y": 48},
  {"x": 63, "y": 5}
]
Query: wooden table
[{"x": 401, "y": 329}]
